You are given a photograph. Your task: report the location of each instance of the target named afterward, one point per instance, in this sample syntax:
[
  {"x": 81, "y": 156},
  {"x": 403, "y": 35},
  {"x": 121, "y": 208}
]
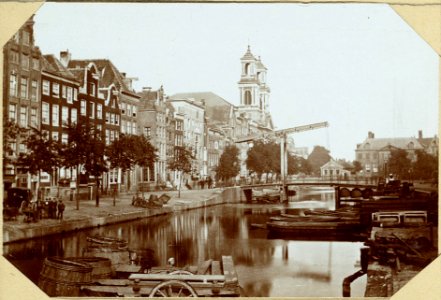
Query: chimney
[
  {"x": 420, "y": 134},
  {"x": 65, "y": 57},
  {"x": 371, "y": 135}
]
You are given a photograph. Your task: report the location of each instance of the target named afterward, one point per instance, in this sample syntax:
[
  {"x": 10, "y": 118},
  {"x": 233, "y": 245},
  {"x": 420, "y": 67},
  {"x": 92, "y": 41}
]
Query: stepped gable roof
[
  {"x": 217, "y": 108},
  {"x": 52, "y": 65},
  {"x": 384, "y": 143},
  {"x": 248, "y": 55}
]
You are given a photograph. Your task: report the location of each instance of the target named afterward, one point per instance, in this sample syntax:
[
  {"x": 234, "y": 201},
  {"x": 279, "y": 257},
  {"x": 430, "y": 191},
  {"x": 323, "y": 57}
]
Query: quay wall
[{"x": 12, "y": 234}]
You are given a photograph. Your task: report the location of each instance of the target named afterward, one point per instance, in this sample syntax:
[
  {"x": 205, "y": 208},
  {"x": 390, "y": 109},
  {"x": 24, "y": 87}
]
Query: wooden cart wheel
[
  {"x": 181, "y": 272},
  {"x": 173, "y": 288}
]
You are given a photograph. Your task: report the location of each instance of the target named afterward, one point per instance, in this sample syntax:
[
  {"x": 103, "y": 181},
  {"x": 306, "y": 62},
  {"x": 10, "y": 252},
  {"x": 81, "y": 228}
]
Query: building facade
[
  {"x": 194, "y": 132},
  {"x": 152, "y": 123},
  {"x": 21, "y": 98},
  {"x": 59, "y": 109}
]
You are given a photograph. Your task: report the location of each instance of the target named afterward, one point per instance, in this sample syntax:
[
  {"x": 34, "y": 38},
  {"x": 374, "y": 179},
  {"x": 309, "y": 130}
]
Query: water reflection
[{"x": 266, "y": 267}]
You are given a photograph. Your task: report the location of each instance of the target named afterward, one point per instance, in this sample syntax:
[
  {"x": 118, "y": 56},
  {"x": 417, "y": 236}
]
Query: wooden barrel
[
  {"x": 101, "y": 266},
  {"x": 115, "y": 255},
  {"x": 344, "y": 193},
  {"x": 367, "y": 193},
  {"x": 356, "y": 193},
  {"x": 60, "y": 277}
]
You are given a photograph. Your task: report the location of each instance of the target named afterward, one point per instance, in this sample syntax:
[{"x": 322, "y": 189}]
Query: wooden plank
[
  {"x": 161, "y": 277},
  {"x": 113, "y": 282},
  {"x": 215, "y": 268},
  {"x": 229, "y": 270},
  {"x": 203, "y": 267}
]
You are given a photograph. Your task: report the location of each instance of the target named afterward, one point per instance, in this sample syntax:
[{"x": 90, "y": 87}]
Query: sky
[{"x": 359, "y": 67}]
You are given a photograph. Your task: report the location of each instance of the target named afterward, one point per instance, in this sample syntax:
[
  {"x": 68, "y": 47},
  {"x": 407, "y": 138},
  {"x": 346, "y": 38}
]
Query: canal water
[{"x": 266, "y": 266}]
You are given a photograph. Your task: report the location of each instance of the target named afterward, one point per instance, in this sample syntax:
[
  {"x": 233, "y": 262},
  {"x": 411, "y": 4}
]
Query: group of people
[{"x": 33, "y": 211}]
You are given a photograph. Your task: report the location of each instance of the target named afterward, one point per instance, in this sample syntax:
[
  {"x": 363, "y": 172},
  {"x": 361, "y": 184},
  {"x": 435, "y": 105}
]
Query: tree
[
  {"x": 263, "y": 158},
  {"x": 425, "y": 167},
  {"x": 357, "y": 166},
  {"x": 399, "y": 163},
  {"x": 129, "y": 150},
  {"x": 229, "y": 163},
  {"x": 42, "y": 155},
  {"x": 297, "y": 164},
  {"x": 318, "y": 157},
  {"x": 85, "y": 152},
  {"x": 10, "y": 133},
  {"x": 181, "y": 162}
]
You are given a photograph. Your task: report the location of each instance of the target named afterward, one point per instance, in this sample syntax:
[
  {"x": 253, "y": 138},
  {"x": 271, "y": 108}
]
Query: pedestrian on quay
[
  {"x": 210, "y": 182},
  {"x": 60, "y": 208}
]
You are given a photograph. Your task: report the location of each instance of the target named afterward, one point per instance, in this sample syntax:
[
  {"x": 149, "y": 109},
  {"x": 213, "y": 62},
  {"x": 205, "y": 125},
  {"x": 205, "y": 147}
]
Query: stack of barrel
[{"x": 64, "y": 276}]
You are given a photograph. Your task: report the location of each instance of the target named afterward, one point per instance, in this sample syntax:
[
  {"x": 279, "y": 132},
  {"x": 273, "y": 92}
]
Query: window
[
  {"x": 112, "y": 136},
  {"x": 83, "y": 108},
  {"x": 75, "y": 94},
  {"x": 34, "y": 90},
  {"x": 13, "y": 85},
  {"x": 107, "y": 118},
  {"x": 112, "y": 118},
  {"x": 129, "y": 127},
  {"x": 46, "y": 87},
  {"x": 24, "y": 116},
  {"x": 34, "y": 117},
  {"x": 55, "y": 136},
  {"x": 55, "y": 90},
  {"x": 26, "y": 38},
  {"x": 63, "y": 91},
  {"x": 22, "y": 148},
  {"x": 147, "y": 131},
  {"x": 99, "y": 127},
  {"x": 12, "y": 112},
  {"x": 45, "y": 113},
  {"x": 64, "y": 138},
  {"x": 73, "y": 116},
  {"x": 69, "y": 94},
  {"x": 247, "y": 98},
  {"x": 92, "y": 110},
  {"x": 92, "y": 89},
  {"x": 12, "y": 149},
  {"x": 129, "y": 110},
  {"x": 133, "y": 128},
  {"x": 123, "y": 108},
  {"x": 116, "y": 119},
  {"x": 14, "y": 56},
  {"x": 25, "y": 62},
  {"x": 99, "y": 111},
  {"x": 24, "y": 87},
  {"x": 107, "y": 137},
  {"x": 134, "y": 111},
  {"x": 65, "y": 115},
  {"x": 35, "y": 63},
  {"x": 55, "y": 115},
  {"x": 123, "y": 126}
]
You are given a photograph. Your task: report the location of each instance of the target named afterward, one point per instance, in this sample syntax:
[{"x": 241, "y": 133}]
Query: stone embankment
[{"x": 89, "y": 215}]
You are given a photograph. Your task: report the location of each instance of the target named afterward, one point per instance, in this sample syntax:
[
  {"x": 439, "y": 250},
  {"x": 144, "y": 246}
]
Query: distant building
[
  {"x": 332, "y": 170},
  {"x": 374, "y": 153}
]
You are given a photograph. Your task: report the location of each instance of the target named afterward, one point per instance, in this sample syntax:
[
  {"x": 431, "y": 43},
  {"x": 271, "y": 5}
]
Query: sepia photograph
[{"x": 219, "y": 149}]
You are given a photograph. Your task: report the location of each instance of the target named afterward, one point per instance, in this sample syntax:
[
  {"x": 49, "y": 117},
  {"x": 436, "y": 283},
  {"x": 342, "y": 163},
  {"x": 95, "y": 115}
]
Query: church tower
[{"x": 254, "y": 92}]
